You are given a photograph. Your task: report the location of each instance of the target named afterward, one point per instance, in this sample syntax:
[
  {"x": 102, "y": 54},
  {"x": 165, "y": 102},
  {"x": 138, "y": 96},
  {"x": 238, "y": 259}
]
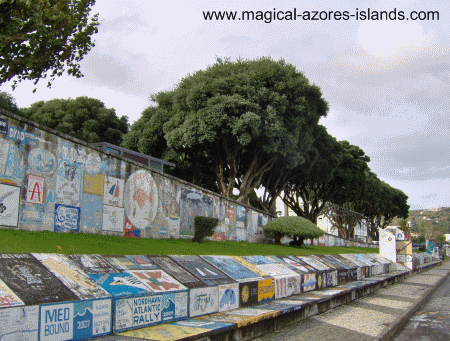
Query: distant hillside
[{"x": 432, "y": 220}]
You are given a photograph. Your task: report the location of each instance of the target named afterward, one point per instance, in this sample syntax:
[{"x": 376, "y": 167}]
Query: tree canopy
[
  {"x": 37, "y": 37},
  {"x": 84, "y": 118},
  {"x": 8, "y": 103},
  {"x": 240, "y": 117},
  {"x": 335, "y": 173}
]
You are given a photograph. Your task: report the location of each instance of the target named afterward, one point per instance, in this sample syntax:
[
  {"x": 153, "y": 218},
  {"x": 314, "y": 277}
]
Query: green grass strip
[{"x": 18, "y": 241}]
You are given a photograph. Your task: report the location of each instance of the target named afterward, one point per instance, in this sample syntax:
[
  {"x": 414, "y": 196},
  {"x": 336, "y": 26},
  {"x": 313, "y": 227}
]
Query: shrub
[
  {"x": 203, "y": 227},
  {"x": 298, "y": 227}
]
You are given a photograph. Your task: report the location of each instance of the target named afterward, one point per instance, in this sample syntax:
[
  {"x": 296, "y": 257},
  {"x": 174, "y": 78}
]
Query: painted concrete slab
[
  {"x": 249, "y": 265},
  {"x": 286, "y": 286},
  {"x": 31, "y": 281},
  {"x": 231, "y": 267},
  {"x": 303, "y": 263},
  {"x": 19, "y": 323},
  {"x": 75, "y": 320},
  {"x": 8, "y": 298},
  {"x": 283, "y": 306},
  {"x": 121, "y": 284},
  {"x": 179, "y": 330},
  {"x": 176, "y": 271},
  {"x": 266, "y": 290},
  {"x": 203, "y": 301},
  {"x": 121, "y": 262},
  {"x": 158, "y": 280},
  {"x": 248, "y": 293},
  {"x": 144, "y": 311},
  {"x": 239, "y": 321},
  {"x": 143, "y": 263},
  {"x": 309, "y": 282},
  {"x": 228, "y": 296},
  {"x": 315, "y": 263},
  {"x": 257, "y": 313},
  {"x": 73, "y": 277},
  {"x": 93, "y": 264},
  {"x": 201, "y": 269}
]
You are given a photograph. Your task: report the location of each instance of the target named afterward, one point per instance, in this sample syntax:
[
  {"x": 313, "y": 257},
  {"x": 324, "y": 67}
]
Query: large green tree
[
  {"x": 242, "y": 117},
  {"x": 335, "y": 173},
  {"x": 37, "y": 37},
  {"x": 146, "y": 136},
  {"x": 84, "y": 118},
  {"x": 8, "y": 103}
]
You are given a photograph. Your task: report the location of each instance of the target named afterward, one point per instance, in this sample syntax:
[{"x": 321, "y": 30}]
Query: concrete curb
[{"x": 395, "y": 326}]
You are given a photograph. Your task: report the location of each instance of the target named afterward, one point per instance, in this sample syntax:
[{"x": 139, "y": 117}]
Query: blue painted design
[
  {"x": 14, "y": 168},
  {"x": 82, "y": 320},
  {"x": 228, "y": 298},
  {"x": 21, "y": 135},
  {"x": 91, "y": 211},
  {"x": 120, "y": 284},
  {"x": 67, "y": 218}
]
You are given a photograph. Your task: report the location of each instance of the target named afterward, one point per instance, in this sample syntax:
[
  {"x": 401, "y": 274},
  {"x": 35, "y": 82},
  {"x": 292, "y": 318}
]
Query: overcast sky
[{"x": 387, "y": 82}]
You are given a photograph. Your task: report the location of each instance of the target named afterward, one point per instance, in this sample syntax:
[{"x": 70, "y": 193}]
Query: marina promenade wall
[{"x": 52, "y": 182}]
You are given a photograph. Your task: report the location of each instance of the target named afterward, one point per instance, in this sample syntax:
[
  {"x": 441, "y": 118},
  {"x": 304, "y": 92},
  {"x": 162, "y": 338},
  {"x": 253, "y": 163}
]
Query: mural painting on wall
[
  {"x": 113, "y": 218},
  {"x": 91, "y": 212},
  {"x": 67, "y": 218},
  {"x": 11, "y": 158},
  {"x": 240, "y": 217},
  {"x": 9, "y": 205},
  {"x": 21, "y": 135},
  {"x": 169, "y": 194},
  {"x": 68, "y": 183},
  {"x": 41, "y": 161},
  {"x": 131, "y": 231},
  {"x": 31, "y": 281},
  {"x": 230, "y": 223},
  {"x": 120, "y": 284},
  {"x": 220, "y": 212},
  {"x": 193, "y": 204},
  {"x": 113, "y": 191},
  {"x": 141, "y": 199},
  {"x": 35, "y": 189}
]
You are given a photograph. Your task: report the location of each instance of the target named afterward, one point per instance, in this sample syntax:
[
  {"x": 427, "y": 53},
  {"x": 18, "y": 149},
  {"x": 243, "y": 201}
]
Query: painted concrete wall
[{"x": 52, "y": 182}]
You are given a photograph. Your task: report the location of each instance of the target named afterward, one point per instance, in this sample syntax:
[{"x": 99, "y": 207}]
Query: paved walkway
[{"x": 375, "y": 317}]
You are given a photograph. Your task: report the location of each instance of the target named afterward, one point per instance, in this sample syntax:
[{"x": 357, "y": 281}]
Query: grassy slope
[{"x": 16, "y": 241}]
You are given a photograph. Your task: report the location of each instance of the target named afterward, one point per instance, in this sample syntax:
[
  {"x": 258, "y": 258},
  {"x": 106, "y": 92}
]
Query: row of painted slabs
[{"x": 75, "y": 297}]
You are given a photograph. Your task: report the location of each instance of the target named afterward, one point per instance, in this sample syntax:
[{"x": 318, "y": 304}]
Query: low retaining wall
[{"x": 76, "y": 297}]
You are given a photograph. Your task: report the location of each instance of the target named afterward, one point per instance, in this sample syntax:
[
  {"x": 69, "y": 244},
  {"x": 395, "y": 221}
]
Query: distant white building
[{"x": 361, "y": 232}]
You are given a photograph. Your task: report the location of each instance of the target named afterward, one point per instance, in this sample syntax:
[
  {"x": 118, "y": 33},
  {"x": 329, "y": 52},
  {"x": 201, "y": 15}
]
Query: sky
[{"x": 387, "y": 81}]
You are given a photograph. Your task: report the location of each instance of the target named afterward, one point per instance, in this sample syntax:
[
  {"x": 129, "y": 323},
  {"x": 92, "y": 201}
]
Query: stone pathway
[{"x": 370, "y": 318}]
